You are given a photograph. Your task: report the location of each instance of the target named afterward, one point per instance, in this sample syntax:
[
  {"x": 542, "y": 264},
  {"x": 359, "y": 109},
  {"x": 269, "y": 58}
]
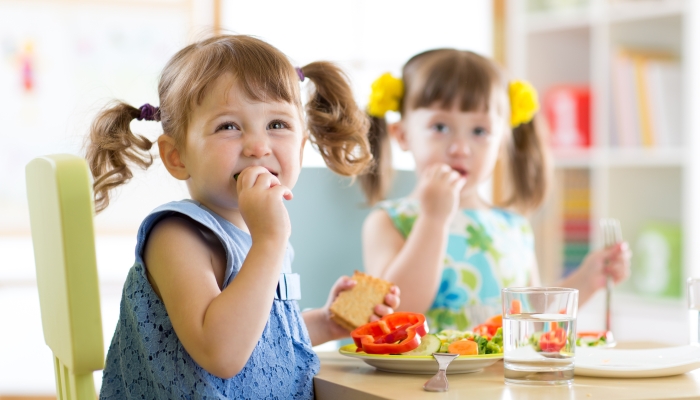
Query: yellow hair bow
[
  {"x": 386, "y": 95},
  {"x": 523, "y": 103}
]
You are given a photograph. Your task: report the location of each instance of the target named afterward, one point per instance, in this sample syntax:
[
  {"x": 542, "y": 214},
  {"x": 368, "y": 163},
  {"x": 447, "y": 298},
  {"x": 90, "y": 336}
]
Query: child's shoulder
[
  {"x": 404, "y": 205},
  {"x": 402, "y": 212}
]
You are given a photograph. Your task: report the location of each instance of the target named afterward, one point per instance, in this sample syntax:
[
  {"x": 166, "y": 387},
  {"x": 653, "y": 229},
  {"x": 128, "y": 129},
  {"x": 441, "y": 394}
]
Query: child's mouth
[
  {"x": 235, "y": 176},
  {"x": 461, "y": 171}
]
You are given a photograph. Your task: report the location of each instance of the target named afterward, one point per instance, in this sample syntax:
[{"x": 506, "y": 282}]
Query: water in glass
[{"x": 539, "y": 348}]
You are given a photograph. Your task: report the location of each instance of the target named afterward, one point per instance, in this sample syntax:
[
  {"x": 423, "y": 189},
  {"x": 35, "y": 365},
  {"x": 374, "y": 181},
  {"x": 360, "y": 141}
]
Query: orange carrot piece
[
  {"x": 464, "y": 347},
  {"x": 515, "y": 307}
]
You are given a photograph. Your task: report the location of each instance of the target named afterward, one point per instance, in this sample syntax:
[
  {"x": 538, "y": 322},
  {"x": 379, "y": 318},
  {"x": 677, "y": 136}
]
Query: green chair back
[{"x": 61, "y": 214}]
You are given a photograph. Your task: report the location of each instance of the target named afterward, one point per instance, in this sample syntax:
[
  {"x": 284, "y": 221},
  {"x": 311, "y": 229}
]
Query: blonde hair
[
  {"x": 448, "y": 77},
  {"x": 338, "y": 127}
]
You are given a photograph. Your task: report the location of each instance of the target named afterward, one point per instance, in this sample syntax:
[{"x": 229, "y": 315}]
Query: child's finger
[
  {"x": 391, "y": 300},
  {"x": 248, "y": 177},
  {"x": 283, "y": 191},
  {"x": 395, "y": 290},
  {"x": 343, "y": 283},
  {"x": 267, "y": 180},
  {"x": 382, "y": 310}
]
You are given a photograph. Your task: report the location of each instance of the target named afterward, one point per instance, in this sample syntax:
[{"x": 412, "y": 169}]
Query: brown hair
[
  {"x": 446, "y": 77},
  {"x": 338, "y": 127}
]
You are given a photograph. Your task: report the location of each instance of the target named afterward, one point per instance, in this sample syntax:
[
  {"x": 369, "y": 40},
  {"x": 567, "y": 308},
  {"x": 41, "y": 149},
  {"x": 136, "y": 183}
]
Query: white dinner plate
[
  {"x": 646, "y": 363},
  {"x": 421, "y": 364}
]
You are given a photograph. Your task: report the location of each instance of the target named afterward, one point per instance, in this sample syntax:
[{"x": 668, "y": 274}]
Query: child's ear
[
  {"x": 397, "y": 131},
  {"x": 172, "y": 157}
]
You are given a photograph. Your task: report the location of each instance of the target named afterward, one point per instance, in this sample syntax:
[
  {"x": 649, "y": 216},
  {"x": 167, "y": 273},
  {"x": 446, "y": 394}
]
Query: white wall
[{"x": 365, "y": 37}]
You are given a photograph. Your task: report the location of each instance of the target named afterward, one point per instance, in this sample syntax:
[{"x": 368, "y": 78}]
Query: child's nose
[
  {"x": 256, "y": 145},
  {"x": 459, "y": 147}
]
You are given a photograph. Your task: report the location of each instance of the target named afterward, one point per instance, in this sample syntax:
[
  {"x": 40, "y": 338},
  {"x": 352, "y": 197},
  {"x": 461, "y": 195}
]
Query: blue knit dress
[{"x": 147, "y": 361}]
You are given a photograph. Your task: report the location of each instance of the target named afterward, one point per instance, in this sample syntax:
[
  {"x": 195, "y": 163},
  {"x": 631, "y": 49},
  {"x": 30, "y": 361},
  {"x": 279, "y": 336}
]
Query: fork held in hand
[{"x": 612, "y": 234}]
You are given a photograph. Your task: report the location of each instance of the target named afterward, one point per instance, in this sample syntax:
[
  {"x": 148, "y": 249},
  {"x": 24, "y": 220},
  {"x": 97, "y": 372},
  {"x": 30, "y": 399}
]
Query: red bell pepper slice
[
  {"x": 393, "y": 334},
  {"x": 553, "y": 341}
]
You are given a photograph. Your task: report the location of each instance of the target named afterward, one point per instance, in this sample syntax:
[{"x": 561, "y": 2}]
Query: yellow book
[{"x": 645, "y": 111}]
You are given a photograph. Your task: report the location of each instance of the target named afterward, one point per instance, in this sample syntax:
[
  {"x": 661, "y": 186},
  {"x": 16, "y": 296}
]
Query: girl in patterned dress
[
  {"x": 209, "y": 307},
  {"x": 444, "y": 245}
]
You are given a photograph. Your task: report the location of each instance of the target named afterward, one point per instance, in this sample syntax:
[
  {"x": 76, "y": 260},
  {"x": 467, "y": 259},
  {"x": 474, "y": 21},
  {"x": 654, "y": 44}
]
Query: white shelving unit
[{"x": 574, "y": 46}]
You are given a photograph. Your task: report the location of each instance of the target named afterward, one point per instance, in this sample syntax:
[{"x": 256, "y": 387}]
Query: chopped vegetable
[
  {"x": 429, "y": 344},
  {"x": 393, "y": 334},
  {"x": 553, "y": 341},
  {"x": 495, "y": 345},
  {"x": 591, "y": 339},
  {"x": 516, "y": 306},
  {"x": 464, "y": 347}
]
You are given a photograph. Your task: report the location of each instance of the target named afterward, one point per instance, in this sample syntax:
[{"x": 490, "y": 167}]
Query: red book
[{"x": 567, "y": 108}]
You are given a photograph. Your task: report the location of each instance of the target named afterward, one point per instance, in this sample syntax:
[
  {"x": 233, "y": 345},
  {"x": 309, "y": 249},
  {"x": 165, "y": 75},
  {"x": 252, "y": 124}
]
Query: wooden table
[{"x": 343, "y": 378}]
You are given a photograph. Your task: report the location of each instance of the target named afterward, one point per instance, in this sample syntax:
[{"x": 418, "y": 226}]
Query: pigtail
[
  {"x": 529, "y": 166},
  {"x": 111, "y": 146},
  {"x": 338, "y": 127},
  {"x": 376, "y": 180}
]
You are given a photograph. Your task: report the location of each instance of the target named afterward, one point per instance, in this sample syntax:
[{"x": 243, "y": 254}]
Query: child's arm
[
  {"x": 593, "y": 271},
  {"x": 220, "y": 329},
  {"x": 415, "y": 264},
  {"x": 319, "y": 324}
]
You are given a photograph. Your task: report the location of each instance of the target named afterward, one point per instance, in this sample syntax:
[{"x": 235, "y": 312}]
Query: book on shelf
[
  {"x": 646, "y": 97},
  {"x": 656, "y": 265},
  {"x": 576, "y": 218},
  {"x": 567, "y": 108}
]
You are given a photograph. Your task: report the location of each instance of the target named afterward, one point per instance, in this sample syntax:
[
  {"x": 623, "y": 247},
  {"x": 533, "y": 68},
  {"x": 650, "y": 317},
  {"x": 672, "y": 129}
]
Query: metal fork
[
  {"x": 438, "y": 383},
  {"x": 612, "y": 234}
]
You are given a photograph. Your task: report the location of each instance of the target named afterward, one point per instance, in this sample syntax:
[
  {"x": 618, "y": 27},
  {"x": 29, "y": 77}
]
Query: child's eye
[
  {"x": 278, "y": 125},
  {"x": 227, "y": 126},
  {"x": 441, "y": 128},
  {"x": 480, "y": 131}
]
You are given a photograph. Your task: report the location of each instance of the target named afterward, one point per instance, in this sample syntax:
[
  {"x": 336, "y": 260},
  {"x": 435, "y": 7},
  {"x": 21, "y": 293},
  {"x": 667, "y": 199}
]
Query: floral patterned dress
[{"x": 487, "y": 250}]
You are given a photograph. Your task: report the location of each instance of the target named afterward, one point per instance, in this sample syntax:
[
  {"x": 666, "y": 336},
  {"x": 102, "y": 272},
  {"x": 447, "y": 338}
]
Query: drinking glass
[
  {"x": 694, "y": 310},
  {"x": 539, "y": 335}
]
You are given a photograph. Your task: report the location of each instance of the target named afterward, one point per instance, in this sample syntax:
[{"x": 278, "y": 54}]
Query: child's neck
[{"x": 473, "y": 201}]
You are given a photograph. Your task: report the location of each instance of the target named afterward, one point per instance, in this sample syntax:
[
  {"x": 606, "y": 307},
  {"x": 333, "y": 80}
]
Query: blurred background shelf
[
  {"x": 621, "y": 75},
  {"x": 622, "y": 11},
  {"x": 560, "y": 20},
  {"x": 615, "y": 157}
]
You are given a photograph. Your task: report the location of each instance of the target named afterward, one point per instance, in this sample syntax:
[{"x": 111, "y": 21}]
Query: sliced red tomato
[{"x": 553, "y": 341}]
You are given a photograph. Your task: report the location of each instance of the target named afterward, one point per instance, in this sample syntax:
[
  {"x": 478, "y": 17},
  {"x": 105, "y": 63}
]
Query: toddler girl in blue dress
[{"x": 209, "y": 308}]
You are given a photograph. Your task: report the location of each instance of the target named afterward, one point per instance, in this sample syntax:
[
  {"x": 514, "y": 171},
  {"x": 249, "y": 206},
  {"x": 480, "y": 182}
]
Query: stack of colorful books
[
  {"x": 646, "y": 89},
  {"x": 576, "y": 218}
]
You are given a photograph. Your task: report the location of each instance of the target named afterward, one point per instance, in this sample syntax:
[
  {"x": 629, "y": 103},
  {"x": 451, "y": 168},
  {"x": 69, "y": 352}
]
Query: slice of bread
[{"x": 352, "y": 308}]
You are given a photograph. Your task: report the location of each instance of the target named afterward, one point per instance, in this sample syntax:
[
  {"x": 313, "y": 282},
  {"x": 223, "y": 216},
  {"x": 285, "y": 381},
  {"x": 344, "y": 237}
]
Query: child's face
[
  {"x": 469, "y": 142},
  {"x": 228, "y": 133}
]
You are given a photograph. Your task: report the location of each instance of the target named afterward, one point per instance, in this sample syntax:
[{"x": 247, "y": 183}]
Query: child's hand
[
  {"x": 391, "y": 301},
  {"x": 438, "y": 191},
  {"x": 260, "y": 202},
  {"x": 613, "y": 261}
]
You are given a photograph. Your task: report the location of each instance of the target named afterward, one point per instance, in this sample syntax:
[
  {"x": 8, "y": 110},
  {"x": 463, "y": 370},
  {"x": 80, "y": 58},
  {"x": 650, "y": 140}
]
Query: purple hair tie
[
  {"x": 149, "y": 113},
  {"x": 300, "y": 73}
]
